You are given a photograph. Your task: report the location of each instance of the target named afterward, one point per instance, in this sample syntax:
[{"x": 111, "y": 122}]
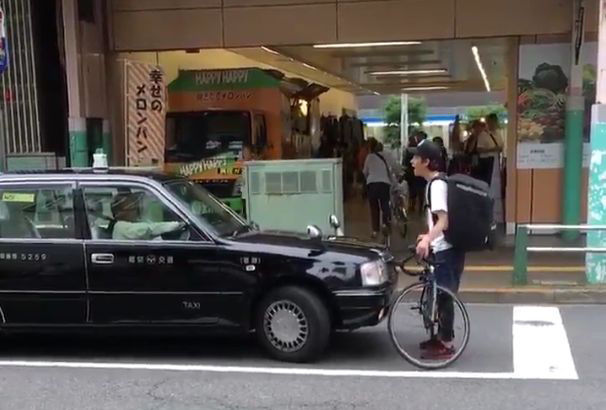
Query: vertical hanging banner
[
  {"x": 3, "y": 43},
  {"x": 145, "y": 114}
]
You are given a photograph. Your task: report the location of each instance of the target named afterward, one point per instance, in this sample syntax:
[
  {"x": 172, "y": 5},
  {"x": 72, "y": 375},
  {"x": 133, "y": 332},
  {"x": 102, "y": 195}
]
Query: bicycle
[
  {"x": 425, "y": 295},
  {"x": 398, "y": 204}
]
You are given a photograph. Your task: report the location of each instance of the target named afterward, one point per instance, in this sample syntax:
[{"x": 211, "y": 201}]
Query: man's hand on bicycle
[{"x": 423, "y": 246}]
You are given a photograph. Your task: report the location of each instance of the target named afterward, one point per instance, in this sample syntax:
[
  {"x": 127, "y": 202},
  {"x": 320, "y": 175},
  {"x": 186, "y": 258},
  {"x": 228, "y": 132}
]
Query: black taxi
[{"x": 141, "y": 249}]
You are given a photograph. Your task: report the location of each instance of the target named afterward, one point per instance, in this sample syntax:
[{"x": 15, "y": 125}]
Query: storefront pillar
[
  {"x": 78, "y": 143},
  {"x": 596, "y": 262},
  {"x": 77, "y": 123},
  {"x": 573, "y": 141}
]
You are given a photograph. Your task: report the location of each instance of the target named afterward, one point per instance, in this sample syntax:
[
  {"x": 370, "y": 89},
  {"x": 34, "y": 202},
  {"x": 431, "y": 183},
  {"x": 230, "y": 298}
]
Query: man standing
[{"x": 448, "y": 261}]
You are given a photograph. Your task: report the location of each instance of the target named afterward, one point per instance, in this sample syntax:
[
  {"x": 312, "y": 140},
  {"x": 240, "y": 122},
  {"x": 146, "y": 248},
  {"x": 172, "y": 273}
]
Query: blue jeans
[{"x": 449, "y": 266}]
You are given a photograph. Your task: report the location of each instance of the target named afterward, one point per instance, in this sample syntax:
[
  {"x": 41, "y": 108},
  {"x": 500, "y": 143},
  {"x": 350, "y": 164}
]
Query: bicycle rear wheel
[{"x": 412, "y": 321}]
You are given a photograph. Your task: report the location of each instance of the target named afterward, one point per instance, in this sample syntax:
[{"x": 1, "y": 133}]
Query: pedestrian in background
[
  {"x": 420, "y": 182},
  {"x": 363, "y": 152},
  {"x": 378, "y": 182},
  {"x": 439, "y": 141}
]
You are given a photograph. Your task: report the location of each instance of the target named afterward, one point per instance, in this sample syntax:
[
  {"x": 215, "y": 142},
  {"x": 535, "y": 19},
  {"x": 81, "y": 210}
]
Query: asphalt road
[{"x": 360, "y": 371}]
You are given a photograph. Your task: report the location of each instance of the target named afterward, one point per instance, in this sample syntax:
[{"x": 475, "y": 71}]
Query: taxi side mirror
[{"x": 314, "y": 232}]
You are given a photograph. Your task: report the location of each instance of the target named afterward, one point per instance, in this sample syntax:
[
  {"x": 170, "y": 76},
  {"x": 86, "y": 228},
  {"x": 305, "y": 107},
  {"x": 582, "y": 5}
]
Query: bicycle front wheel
[{"x": 418, "y": 318}]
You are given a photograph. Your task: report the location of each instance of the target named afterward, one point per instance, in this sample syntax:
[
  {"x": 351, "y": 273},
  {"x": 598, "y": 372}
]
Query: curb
[{"x": 528, "y": 295}]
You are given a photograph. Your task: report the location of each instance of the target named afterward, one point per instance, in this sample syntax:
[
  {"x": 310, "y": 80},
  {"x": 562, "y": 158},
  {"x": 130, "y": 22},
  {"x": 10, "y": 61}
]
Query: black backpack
[{"x": 470, "y": 213}]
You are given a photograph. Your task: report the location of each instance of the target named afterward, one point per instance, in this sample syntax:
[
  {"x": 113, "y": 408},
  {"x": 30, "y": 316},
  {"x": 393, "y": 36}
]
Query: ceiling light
[
  {"x": 431, "y": 88},
  {"x": 410, "y": 72},
  {"x": 375, "y": 44},
  {"x": 476, "y": 55},
  {"x": 269, "y": 50}
]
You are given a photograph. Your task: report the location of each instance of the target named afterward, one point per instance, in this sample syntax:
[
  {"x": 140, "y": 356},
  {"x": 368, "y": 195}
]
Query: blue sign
[{"x": 3, "y": 43}]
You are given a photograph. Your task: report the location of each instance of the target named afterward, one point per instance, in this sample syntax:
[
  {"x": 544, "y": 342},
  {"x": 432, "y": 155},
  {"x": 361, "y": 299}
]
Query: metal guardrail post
[{"x": 520, "y": 257}]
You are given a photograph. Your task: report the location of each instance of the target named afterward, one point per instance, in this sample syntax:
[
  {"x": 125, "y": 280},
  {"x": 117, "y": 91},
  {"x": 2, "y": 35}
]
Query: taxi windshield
[{"x": 209, "y": 210}]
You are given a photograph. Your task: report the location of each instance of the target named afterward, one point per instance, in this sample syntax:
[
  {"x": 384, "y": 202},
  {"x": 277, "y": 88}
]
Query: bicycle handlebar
[{"x": 425, "y": 262}]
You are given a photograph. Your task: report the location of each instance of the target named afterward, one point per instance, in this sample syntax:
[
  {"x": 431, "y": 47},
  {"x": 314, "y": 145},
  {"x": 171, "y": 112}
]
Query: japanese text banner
[{"x": 145, "y": 114}]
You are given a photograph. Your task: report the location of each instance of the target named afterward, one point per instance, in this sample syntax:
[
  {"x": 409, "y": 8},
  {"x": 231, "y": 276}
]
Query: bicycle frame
[{"x": 427, "y": 278}]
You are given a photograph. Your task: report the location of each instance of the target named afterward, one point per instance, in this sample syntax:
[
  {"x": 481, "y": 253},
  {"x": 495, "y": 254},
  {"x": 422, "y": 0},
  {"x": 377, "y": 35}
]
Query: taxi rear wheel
[{"x": 293, "y": 324}]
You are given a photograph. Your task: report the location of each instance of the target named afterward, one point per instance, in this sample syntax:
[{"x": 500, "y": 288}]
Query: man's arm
[
  {"x": 439, "y": 228},
  {"x": 160, "y": 228}
]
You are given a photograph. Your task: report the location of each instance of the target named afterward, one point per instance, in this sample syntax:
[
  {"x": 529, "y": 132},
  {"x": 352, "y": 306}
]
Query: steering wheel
[{"x": 181, "y": 234}]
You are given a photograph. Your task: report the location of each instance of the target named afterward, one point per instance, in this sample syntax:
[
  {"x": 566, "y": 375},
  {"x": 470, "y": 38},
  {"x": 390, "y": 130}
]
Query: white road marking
[
  {"x": 540, "y": 344},
  {"x": 540, "y": 352},
  {"x": 285, "y": 371},
  {"x": 261, "y": 370}
]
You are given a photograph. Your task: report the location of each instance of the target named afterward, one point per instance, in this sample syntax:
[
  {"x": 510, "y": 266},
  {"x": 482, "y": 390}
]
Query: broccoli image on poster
[{"x": 542, "y": 105}]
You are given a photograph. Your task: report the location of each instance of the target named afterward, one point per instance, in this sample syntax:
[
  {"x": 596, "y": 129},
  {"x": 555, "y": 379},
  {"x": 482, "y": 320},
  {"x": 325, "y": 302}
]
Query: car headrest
[{"x": 4, "y": 212}]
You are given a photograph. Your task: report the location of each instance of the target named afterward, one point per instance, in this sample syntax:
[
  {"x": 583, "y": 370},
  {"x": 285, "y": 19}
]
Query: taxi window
[
  {"x": 130, "y": 213},
  {"x": 36, "y": 212}
]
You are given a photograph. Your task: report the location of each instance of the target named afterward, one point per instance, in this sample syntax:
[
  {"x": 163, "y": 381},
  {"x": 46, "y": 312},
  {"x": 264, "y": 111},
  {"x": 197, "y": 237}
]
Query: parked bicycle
[{"x": 414, "y": 320}]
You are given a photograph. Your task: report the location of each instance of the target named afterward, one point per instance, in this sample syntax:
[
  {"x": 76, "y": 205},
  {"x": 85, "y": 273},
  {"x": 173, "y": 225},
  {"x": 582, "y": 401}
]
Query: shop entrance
[{"x": 331, "y": 98}]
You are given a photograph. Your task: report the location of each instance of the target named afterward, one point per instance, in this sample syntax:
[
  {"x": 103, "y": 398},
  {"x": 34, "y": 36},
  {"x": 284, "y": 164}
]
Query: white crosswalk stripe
[{"x": 540, "y": 344}]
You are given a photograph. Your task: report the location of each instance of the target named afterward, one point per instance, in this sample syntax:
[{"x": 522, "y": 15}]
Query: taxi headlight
[{"x": 373, "y": 273}]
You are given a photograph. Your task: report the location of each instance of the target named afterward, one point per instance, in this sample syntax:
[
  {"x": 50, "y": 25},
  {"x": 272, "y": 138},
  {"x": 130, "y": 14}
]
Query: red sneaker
[
  {"x": 429, "y": 344},
  {"x": 439, "y": 352}
]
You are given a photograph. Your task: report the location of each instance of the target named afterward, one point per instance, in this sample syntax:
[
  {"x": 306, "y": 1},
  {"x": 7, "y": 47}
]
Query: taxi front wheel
[{"x": 293, "y": 324}]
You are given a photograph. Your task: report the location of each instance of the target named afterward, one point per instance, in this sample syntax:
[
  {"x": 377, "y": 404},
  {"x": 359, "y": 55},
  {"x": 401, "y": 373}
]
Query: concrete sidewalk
[
  {"x": 496, "y": 287},
  {"x": 488, "y": 278}
]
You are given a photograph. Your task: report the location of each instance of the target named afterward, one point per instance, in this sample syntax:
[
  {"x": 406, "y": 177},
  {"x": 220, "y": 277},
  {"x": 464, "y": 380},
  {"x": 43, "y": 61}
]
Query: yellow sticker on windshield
[{"x": 18, "y": 197}]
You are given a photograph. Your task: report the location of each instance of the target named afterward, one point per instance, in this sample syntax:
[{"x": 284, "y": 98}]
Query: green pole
[
  {"x": 595, "y": 263},
  {"x": 107, "y": 141},
  {"x": 520, "y": 257},
  {"x": 78, "y": 143},
  {"x": 573, "y": 165},
  {"x": 573, "y": 140}
]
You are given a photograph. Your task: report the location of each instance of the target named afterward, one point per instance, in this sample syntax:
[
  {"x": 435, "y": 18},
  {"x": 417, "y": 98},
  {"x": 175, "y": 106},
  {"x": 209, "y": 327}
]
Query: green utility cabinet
[{"x": 289, "y": 195}]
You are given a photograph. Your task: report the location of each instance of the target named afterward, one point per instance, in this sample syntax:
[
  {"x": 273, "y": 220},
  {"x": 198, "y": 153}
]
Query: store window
[{"x": 207, "y": 135}]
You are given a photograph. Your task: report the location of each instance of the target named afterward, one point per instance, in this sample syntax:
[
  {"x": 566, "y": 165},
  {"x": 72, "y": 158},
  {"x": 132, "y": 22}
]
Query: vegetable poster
[{"x": 542, "y": 92}]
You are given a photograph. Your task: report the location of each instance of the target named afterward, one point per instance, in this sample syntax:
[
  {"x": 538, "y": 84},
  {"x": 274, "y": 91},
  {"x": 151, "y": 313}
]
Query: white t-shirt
[
  {"x": 439, "y": 202},
  {"x": 487, "y": 140}
]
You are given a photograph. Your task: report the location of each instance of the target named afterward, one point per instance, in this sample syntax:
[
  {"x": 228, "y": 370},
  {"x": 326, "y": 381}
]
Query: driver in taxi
[{"x": 128, "y": 224}]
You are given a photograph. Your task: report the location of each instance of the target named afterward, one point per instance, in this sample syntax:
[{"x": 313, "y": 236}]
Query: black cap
[{"x": 427, "y": 150}]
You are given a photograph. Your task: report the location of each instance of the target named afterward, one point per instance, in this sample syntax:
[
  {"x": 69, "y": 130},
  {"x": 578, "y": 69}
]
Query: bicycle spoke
[{"x": 412, "y": 322}]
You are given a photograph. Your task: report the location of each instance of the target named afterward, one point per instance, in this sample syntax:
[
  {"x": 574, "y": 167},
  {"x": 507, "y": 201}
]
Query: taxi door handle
[{"x": 102, "y": 258}]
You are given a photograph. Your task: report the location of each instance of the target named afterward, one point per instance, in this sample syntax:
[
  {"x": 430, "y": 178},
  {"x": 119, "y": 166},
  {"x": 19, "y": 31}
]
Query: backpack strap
[
  {"x": 494, "y": 140},
  {"x": 440, "y": 177},
  {"x": 386, "y": 166}
]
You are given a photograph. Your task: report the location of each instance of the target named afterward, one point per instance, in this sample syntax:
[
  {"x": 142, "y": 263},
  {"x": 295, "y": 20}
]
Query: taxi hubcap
[{"x": 286, "y": 326}]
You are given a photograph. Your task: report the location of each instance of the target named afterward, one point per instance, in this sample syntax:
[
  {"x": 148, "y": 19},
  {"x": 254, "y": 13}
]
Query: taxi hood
[{"x": 342, "y": 245}]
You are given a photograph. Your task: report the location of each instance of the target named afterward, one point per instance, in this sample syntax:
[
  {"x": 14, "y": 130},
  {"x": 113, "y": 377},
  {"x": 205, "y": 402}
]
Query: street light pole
[{"x": 596, "y": 263}]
